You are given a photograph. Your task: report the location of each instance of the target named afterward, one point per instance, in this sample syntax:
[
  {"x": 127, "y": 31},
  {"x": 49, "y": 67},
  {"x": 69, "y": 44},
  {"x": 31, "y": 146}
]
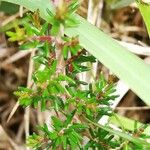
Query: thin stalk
[
  {"x": 29, "y": 83},
  {"x": 121, "y": 134}
]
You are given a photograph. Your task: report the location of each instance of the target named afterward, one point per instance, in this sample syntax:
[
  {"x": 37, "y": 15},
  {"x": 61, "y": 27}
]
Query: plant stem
[{"x": 121, "y": 134}]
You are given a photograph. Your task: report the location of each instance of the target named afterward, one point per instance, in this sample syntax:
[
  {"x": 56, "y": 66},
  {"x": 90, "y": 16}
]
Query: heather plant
[{"x": 76, "y": 105}]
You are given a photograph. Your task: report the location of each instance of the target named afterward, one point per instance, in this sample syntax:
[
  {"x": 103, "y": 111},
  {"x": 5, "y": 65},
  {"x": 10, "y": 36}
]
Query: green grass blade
[
  {"x": 145, "y": 11},
  {"x": 127, "y": 66},
  {"x": 127, "y": 123},
  {"x": 121, "y": 3},
  {"x": 123, "y": 135}
]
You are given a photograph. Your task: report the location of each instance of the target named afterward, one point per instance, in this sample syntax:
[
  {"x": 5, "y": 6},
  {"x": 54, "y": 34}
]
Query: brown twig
[{"x": 29, "y": 83}]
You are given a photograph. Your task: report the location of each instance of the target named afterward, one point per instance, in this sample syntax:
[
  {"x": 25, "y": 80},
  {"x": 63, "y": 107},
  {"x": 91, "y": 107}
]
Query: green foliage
[
  {"x": 18, "y": 35},
  {"x": 64, "y": 133},
  {"x": 64, "y": 14},
  {"x": 127, "y": 123},
  {"x": 8, "y": 8},
  {"x": 112, "y": 55},
  {"x": 59, "y": 61}
]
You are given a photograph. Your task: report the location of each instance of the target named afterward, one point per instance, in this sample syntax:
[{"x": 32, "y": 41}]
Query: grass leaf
[
  {"x": 121, "y": 3},
  {"x": 145, "y": 11}
]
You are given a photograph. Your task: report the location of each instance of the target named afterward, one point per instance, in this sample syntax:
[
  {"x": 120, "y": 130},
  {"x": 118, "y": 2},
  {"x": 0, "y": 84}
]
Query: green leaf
[
  {"x": 44, "y": 28},
  {"x": 33, "y": 141},
  {"x": 71, "y": 22},
  {"x": 77, "y": 136},
  {"x": 82, "y": 59},
  {"x": 43, "y": 75},
  {"x": 55, "y": 29},
  {"x": 73, "y": 6},
  {"x": 58, "y": 141},
  {"x": 52, "y": 135},
  {"x": 12, "y": 24},
  {"x": 65, "y": 52},
  {"x": 78, "y": 127},
  {"x": 88, "y": 145},
  {"x": 43, "y": 104},
  {"x": 58, "y": 124},
  {"x": 73, "y": 50},
  {"x": 145, "y": 11},
  {"x": 27, "y": 46},
  {"x": 80, "y": 68},
  {"x": 121, "y": 3},
  {"x": 25, "y": 101},
  {"x": 24, "y": 89},
  {"x": 53, "y": 66},
  {"x": 8, "y": 8},
  {"x": 34, "y": 30},
  {"x": 62, "y": 77},
  {"x": 72, "y": 141},
  {"x": 18, "y": 35},
  {"x": 69, "y": 118},
  {"x": 60, "y": 88},
  {"x": 64, "y": 140},
  {"x": 71, "y": 91},
  {"x": 127, "y": 123}
]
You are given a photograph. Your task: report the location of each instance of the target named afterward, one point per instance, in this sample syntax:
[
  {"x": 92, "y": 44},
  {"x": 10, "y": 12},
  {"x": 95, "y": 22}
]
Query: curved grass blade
[{"x": 145, "y": 11}]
